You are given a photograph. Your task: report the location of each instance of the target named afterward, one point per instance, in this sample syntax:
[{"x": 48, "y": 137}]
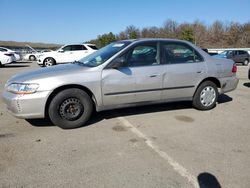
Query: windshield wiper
[
  {"x": 76, "y": 62},
  {"x": 81, "y": 63}
]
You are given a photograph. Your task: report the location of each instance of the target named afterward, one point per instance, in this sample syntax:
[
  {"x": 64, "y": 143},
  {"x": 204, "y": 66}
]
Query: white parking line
[{"x": 176, "y": 166}]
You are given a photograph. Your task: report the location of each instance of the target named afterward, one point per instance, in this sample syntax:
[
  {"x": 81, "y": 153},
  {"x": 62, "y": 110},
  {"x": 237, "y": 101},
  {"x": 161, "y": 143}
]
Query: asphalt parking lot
[{"x": 168, "y": 145}]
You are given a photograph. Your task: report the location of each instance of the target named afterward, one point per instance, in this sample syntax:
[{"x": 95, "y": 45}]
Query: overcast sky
[{"x": 72, "y": 21}]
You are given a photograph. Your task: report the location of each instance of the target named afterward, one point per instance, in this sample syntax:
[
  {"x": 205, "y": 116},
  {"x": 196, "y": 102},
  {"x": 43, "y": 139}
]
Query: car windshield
[
  {"x": 226, "y": 52},
  {"x": 99, "y": 57}
]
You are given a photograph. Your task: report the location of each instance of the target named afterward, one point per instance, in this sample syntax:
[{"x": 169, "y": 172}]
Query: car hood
[{"x": 54, "y": 71}]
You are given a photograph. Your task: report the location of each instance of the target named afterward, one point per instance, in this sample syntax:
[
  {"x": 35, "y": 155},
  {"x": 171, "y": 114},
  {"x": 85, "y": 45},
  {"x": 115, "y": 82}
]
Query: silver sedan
[{"x": 123, "y": 74}]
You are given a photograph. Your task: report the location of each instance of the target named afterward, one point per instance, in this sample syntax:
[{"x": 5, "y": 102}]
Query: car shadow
[
  {"x": 223, "y": 98},
  {"x": 131, "y": 111},
  {"x": 207, "y": 180},
  {"x": 14, "y": 66},
  {"x": 42, "y": 122},
  {"x": 23, "y": 61},
  {"x": 110, "y": 114},
  {"x": 247, "y": 84}
]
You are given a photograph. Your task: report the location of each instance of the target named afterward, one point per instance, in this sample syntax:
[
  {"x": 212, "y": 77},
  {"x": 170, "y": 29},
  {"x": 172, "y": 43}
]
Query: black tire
[
  {"x": 48, "y": 62},
  {"x": 201, "y": 102},
  {"x": 246, "y": 61},
  {"x": 70, "y": 108},
  {"x": 32, "y": 58}
]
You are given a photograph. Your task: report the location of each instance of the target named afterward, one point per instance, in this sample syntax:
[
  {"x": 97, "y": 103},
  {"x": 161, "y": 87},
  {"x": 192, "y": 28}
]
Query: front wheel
[
  {"x": 206, "y": 96},
  {"x": 70, "y": 108},
  {"x": 48, "y": 62}
]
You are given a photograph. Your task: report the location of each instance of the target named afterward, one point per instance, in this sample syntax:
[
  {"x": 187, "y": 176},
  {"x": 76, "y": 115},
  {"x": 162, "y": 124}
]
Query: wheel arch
[
  {"x": 32, "y": 55},
  {"x": 70, "y": 86},
  {"x": 212, "y": 79},
  {"x": 49, "y": 57}
]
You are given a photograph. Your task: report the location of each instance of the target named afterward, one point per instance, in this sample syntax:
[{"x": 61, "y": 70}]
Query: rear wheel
[
  {"x": 32, "y": 58},
  {"x": 48, "y": 62},
  {"x": 206, "y": 96},
  {"x": 71, "y": 108},
  {"x": 246, "y": 62}
]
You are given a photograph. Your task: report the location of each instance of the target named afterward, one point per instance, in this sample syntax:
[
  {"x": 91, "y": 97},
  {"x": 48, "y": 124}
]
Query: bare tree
[{"x": 218, "y": 35}]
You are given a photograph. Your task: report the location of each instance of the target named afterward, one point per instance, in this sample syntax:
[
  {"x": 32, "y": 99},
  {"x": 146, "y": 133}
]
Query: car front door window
[
  {"x": 66, "y": 48},
  {"x": 142, "y": 55}
]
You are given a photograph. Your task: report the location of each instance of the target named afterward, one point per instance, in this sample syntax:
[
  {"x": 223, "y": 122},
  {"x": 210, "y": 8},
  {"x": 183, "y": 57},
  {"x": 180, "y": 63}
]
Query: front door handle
[{"x": 200, "y": 72}]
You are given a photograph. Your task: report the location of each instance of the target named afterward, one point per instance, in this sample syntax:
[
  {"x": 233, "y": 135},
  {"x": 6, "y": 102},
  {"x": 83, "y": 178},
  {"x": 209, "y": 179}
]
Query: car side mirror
[
  {"x": 61, "y": 50},
  {"x": 117, "y": 63}
]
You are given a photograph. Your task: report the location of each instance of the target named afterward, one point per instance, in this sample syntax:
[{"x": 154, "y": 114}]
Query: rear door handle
[{"x": 152, "y": 76}]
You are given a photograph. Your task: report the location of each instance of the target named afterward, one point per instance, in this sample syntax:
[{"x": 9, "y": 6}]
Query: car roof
[
  {"x": 154, "y": 39},
  {"x": 4, "y": 48},
  {"x": 79, "y": 44},
  {"x": 88, "y": 44}
]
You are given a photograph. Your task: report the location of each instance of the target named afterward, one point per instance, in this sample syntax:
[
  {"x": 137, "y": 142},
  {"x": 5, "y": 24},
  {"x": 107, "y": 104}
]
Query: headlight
[{"x": 19, "y": 88}]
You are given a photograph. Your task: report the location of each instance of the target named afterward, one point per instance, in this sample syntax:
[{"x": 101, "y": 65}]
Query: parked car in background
[
  {"x": 6, "y": 58},
  {"x": 31, "y": 56},
  {"x": 239, "y": 56},
  {"x": 34, "y": 55},
  {"x": 66, "y": 54},
  {"x": 210, "y": 53},
  {"x": 249, "y": 73},
  {"x": 122, "y": 74},
  {"x": 16, "y": 55}
]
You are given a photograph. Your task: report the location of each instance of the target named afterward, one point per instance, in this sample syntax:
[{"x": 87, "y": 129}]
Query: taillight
[
  {"x": 234, "y": 69},
  {"x": 9, "y": 54}
]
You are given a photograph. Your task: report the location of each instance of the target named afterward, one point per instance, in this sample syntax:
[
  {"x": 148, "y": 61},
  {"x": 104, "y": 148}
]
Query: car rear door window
[
  {"x": 242, "y": 52},
  {"x": 93, "y": 47},
  {"x": 177, "y": 52},
  {"x": 78, "y": 47}
]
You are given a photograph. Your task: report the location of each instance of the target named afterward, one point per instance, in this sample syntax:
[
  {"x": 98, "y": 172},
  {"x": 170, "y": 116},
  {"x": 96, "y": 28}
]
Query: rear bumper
[
  {"x": 228, "y": 84},
  {"x": 26, "y": 106},
  {"x": 8, "y": 60}
]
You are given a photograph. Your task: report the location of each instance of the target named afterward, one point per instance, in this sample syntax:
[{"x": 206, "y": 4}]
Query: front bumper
[
  {"x": 39, "y": 61},
  {"x": 26, "y": 106},
  {"x": 228, "y": 84}
]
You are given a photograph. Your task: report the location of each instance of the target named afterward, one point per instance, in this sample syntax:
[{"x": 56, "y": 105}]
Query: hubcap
[
  {"x": 71, "y": 109},
  {"x": 207, "y": 96},
  {"x": 48, "y": 62}
]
